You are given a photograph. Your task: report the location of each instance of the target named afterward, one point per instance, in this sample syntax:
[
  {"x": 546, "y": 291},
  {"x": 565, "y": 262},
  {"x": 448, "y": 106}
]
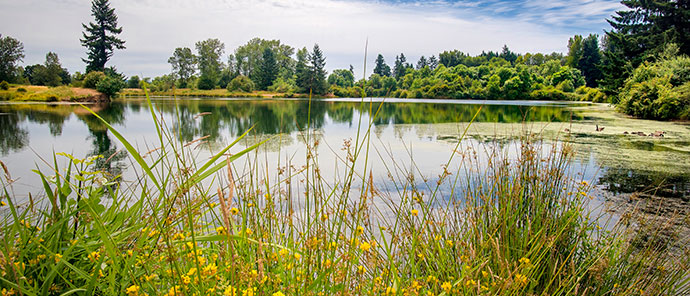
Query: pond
[{"x": 416, "y": 135}]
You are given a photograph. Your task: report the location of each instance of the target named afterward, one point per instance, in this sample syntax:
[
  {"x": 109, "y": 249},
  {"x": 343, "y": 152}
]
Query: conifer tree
[
  {"x": 381, "y": 68},
  {"x": 268, "y": 69},
  {"x": 640, "y": 33},
  {"x": 302, "y": 70},
  {"x": 99, "y": 37},
  {"x": 318, "y": 73}
]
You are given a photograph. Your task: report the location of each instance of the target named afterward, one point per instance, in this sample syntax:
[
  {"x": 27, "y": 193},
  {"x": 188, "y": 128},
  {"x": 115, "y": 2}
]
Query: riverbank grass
[
  {"x": 32, "y": 93},
  {"x": 518, "y": 226}
]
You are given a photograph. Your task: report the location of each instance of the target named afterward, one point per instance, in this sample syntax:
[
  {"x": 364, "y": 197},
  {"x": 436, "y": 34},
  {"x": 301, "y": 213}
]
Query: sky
[{"x": 152, "y": 29}]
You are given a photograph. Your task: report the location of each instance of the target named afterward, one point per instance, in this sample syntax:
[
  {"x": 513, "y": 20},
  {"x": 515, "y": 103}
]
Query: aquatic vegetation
[{"x": 192, "y": 227}]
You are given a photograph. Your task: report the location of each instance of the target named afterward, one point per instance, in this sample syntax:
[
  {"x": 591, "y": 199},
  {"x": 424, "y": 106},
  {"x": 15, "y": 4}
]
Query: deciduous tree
[{"x": 11, "y": 52}]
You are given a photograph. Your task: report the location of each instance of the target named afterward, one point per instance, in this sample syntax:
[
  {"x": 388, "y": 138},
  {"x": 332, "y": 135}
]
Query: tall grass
[{"x": 508, "y": 226}]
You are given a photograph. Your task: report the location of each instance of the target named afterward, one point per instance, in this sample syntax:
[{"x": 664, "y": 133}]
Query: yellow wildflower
[
  {"x": 361, "y": 269},
  {"x": 415, "y": 212},
  {"x": 58, "y": 257},
  {"x": 297, "y": 256},
  {"x": 365, "y": 246},
  {"x": 230, "y": 291},
  {"x": 470, "y": 283},
  {"x": 249, "y": 231},
  {"x": 524, "y": 261},
  {"x": 283, "y": 252},
  {"x": 133, "y": 290},
  {"x": 446, "y": 287},
  {"x": 93, "y": 256},
  {"x": 234, "y": 211},
  {"x": 278, "y": 294},
  {"x": 521, "y": 279},
  {"x": 221, "y": 230}
]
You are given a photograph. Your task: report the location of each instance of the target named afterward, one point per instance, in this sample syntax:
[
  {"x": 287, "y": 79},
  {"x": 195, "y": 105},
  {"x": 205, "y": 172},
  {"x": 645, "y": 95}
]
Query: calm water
[{"x": 418, "y": 135}]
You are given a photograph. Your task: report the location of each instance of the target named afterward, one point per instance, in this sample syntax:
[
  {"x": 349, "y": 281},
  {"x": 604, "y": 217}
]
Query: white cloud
[{"x": 153, "y": 28}]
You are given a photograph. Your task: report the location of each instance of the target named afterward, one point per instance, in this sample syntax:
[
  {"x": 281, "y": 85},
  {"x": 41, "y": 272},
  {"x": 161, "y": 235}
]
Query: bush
[
  {"x": 110, "y": 86},
  {"x": 566, "y": 86},
  {"x": 4, "y": 85},
  {"x": 241, "y": 83},
  {"x": 93, "y": 78},
  {"x": 21, "y": 89},
  {"x": 658, "y": 90},
  {"x": 206, "y": 82}
]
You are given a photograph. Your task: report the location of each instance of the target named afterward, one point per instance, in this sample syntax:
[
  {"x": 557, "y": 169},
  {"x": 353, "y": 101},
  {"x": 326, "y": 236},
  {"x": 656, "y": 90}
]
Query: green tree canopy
[
  {"x": 381, "y": 67},
  {"x": 11, "y": 52},
  {"x": 247, "y": 58},
  {"x": 640, "y": 33},
  {"x": 209, "y": 53},
  {"x": 268, "y": 69},
  {"x": 318, "y": 73},
  {"x": 183, "y": 63},
  {"x": 100, "y": 38}
]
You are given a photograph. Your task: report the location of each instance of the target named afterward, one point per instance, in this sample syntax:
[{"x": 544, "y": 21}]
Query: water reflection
[
  {"x": 625, "y": 180},
  {"x": 191, "y": 119}
]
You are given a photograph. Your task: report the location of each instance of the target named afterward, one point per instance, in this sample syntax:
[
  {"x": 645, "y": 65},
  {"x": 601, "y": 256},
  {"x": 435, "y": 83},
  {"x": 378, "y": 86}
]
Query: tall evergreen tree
[
  {"x": 641, "y": 33},
  {"x": 268, "y": 69},
  {"x": 400, "y": 66},
  {"x": 574, "y": 51},
  {"x": 302, "y": 70},
  {"x": 100, "y": 38},
  {"x": 433, "y": 62},
  {"x": 590, "y": 60},
  {"x": 318, "y": 73},
  {"x": 381, "y": 67},
  {"x": 422, "y": 63}
]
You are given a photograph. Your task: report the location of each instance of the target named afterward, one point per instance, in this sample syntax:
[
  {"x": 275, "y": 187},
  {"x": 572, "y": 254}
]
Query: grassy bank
[
  {"x": 32, "y": 93},
  {"x": 192, "y": 227}
]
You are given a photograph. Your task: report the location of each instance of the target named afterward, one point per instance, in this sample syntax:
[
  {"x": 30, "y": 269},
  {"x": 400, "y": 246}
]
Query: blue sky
[{"x": 154, "y": 28}]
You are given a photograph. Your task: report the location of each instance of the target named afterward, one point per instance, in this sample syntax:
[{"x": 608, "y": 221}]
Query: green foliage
[
  {"x": 110, "y": 86},
  {"x": 283, "y": 85},
  {"x": 99, "y": 37},
  {"x": 341, "y": 78},
  {"x": 93, "y": 78},
  {"x": 209, "y": 53},
  {"x": 381, "y": 68},
  {"x": 658, "y": 90},
  {"x": 11, "y": 53},
  {"x": 248, "y": 58},
  {"x": 183, "y": 63},
  {"x": 4, "y": 85},
  {"x": 268, "y": 70},
  {"x": 241, "y": 83},
  {"x": 133, "y": 82},
  {"x": 640, "y": 33}
]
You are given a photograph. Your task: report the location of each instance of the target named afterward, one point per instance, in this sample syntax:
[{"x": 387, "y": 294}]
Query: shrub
[
  {"x": 658, "y": 90},
  {"x": 206, "y": 82},
  {"x": 4, "y": 85},
  {"x": 241, "y": 83},
  {"x": 93, "y": 78},
  {"x": 566, "y": 86},
  {"x": 110, "y": 86},
  {"x": 21, "y": 89}
]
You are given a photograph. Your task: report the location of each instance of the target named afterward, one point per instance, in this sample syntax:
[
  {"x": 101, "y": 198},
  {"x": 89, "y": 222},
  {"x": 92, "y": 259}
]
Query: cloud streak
[{"x": 154, "y": 28}]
